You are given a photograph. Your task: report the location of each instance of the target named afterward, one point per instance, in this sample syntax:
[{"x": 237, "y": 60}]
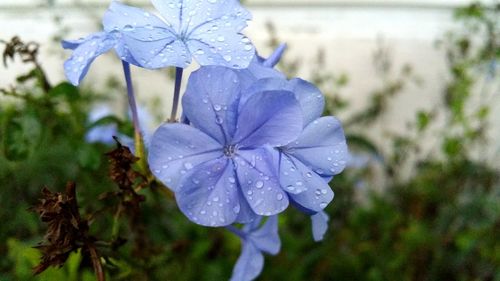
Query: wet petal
[
  {"x": 293, "y": 179},
  {"x": 249, "y": 264},
  {"x": 321, "y": 146},
  {"x": 269, "y": 118},
  {"x": 150, "y": 41},
  {"x": 210, "y": 101},
  {"x": 319, "y": 225},
  {"x": 91, "y": 47},
  {"x": 177, "y": 148},
  {"x": 246, "y": 214},
  {"x": 208, "y": 193},
  {"x": 310, "y": 98},
  {"x": 187, "y": 15},
  {"x": 267, "y": 238},
  {"x": 259, "y": 183},
  {"x": 316, "y": 194},
  {"x": 221, "y": 47}
]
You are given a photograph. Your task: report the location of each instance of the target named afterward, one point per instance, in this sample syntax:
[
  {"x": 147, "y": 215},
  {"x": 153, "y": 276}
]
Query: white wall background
[{"x": 347, "y": 30}]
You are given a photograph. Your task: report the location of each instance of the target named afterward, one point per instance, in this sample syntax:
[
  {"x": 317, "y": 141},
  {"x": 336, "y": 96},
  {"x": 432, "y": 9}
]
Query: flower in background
[
  {"x": 208, "y": 30},
  {"x": 255, "y": 240},
  {"x": 220, "y": 168},
  {"x": 104, "y": 133}
]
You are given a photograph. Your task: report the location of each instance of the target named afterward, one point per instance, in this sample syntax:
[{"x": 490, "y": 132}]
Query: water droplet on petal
[
  {"x": 259, "y": 184},
  {"x": 322, "y": 205},
  {"x": 279, "y": 196},
  {"x": 188, "y": 166},
  {"x": 217, "y": 107}
]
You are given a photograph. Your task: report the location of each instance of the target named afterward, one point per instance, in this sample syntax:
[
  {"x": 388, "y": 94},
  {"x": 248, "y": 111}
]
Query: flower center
[{"x": 230, "y": 150}]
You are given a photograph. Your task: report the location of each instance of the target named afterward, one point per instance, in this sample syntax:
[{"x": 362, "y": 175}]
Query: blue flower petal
[
  {"x": 246, "y": 214},
  {"x": 88, "y": 49},
  {"x": 319, "y": 225},
  {"x": 145, "y": 37},
  {"x": 208, "y": 194},
  {"x": 187, "y": 15},
  {"x": 267, "y": 238},
  {"x": 249, "y": 264},
  {"x": 177, "y": 148},
  {"x": 292, "y": 178},
  {"x": 221, "y": 47},
  {"x": 259, "y": 183},
  {"x": 255, "y": 71},
  {"x": 316, "y": 193},
  {"x": 211, "y": 101},
  {"x": 269, "y": 118},
  {"x": 322, "y": 146},
  {"x": 310, "y": 98}
]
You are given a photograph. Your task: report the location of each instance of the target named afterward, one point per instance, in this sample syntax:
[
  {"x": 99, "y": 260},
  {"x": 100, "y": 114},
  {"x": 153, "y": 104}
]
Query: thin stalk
[
  {"x": 138, "y": 141},
  {"x": 96, "y": 262},
  {"x": 177, "y": 90}
]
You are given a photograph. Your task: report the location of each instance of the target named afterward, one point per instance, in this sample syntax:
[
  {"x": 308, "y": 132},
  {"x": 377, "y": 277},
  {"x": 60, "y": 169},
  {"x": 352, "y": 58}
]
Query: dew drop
[
  {"x": 259, "y": 184},
  {"x": 279, "y": 196},
  {"x": 217, "y": 107},
  {"x": 188, "y": 166},
  {"x": 227, "y": 57},
  {"x": 322, "y": 205},
  {"x": 231, "y": 180}
]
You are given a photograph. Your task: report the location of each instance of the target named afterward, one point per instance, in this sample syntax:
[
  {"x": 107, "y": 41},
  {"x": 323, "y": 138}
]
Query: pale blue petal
[
  {"x": 319, "y": 225},
  {"x": 121, "y": 17},
  {"x": 211, "y": 100},
  {"x": 254, "y": 72},
  {"x": 267, "y": 238},
  {"x": 177, "y": 148},
  {"x": 151, "y": 42},
  {"x": 292, "y": 179},
  {"x": 77, "y": 65},
  {"x": 169, "y": 11},
  {"x": 269, "y": 118},
  {"x": 258, "y": 182},
  {"x": 316, "y": 194},
  {"x": 229, "y": 13},
  {"x": 321, "y": 146},
  {"x": 246, "y": 214},
  {"x": 162, "y": 52},
  {"x": 208, "y": 193},
  {"x": 310, "y": 98},
  {"x": 249, "y": 264},
  {"x": 222, "y": 47}
]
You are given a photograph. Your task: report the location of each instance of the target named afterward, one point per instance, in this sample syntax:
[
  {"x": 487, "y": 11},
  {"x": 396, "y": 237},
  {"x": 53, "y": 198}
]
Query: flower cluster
[{"x": 251, "y": 142}]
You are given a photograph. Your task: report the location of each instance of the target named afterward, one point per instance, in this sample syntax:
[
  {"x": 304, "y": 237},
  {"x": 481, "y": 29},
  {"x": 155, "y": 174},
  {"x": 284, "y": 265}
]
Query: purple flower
[
  {"x": 208, "y": 30},
  {"x": 255, "y": 241},
  {"x": 221, "y": 168}
]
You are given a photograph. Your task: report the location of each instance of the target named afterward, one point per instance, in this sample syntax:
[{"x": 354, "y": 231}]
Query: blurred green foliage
[{"x": 441, "y": 221}]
